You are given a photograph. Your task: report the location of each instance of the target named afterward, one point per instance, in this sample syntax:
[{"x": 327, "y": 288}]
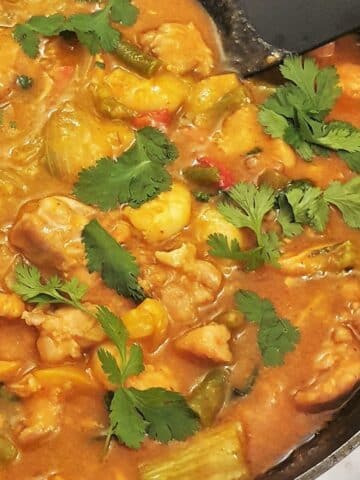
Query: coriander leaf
[
  {"x": 346, "y": 197},
  {"x": 340, "y": 136},
  {"x": 166, "y": 413},
  {"x": 126, "y": 423},
  {"x": 135, "y": 361},
  {"x": 114, "y": 329},
  {"x": 115, "y": 264},
  {"x": 309, "y": 207},
  {"x": 296, "y": 113},
  {"x": 255, "y": 309},
  {"x": 252, "y": 204},
  {"x": 276, "y": 336},
  {"x": 110, "y": 366},
  {"x": 29, "y": 286},
  {"x": 270, "y": 245},
  {"x": 94, "y": 30},
  {"x": 352, "y": 159},
  {"x": 137, "y": 176},
  {"x": 123, "y": 11},
  {"x": 28, "y": 39},
  {"x": 221, "y": 247},
  {"x": 286, "y": 219}
]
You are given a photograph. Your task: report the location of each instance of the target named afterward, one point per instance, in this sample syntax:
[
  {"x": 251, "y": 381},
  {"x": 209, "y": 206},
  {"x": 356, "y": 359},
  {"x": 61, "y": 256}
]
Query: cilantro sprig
[
  {"x": 276, "y": 335},
  {"x": 297, "y": 205},
  {"x": 161, "y": 414},
  {"x": 117, "y": 267},
  {"x": 296, "y": 113},
  {"x": 32, "y": 289},
  {"x": 247, "y": 208},
  {"x": 93, "y": 30},
  {"x": 135, "y": 177}
]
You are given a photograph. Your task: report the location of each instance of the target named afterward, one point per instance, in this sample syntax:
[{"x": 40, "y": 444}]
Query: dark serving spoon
[{"x": 257, "y": 34}]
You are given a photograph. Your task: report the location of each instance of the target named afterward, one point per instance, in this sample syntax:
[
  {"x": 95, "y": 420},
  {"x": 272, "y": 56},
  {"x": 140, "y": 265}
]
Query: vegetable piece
[
  {"x": 202, "y": 197},
  {"x": 226, "y": 179},
  {"x": 208, "y": 397},
  {"x": 8, "y": 369},
  {"x": 136, "y": 59},
  {"x": 75, "y": 139},
  {"x": 64, "y": 377},
  {"x": 203, "y": 176},
  {"x": 164, "y": 216},
  {"x": 250, "y": 205},
  {"x": 163, "y": 91},
  {"x": 246, "y": 389},
  {"x": 217, "y": 453},
  {"x": 273, "y": 179},
  {"x": 6, "y": 395},
  {"x": 135, "y": 177},
  {"x": 8, "y": 451},
  {"x": 160, "y": 119},
  {"x": 24, "y": 82},
  {"x": 149, "y": 319},
  {"x": 115, "y": 264},
  {"x": 328, "y": 257},
  {"x": 11, "y": 306},
  {"x": 29, "y": 286},
  {"x": 93, "y": 30},
  {"x": 163, "y": 415},
  {"x": 276, "y": 336},
  {"x": 296, "y": 112},
  {"x": 232, "y": 319}
]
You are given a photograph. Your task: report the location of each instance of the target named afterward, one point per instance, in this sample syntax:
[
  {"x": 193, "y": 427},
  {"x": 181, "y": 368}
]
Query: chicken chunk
[
  {"x": 154, "y": 376},
  {"x": 336, "y": 373},
  {"x": 48, "y": 233},
  {"x": 192, "y": 283},
  {"x": 209, "y": 341},
  {"x": 64, "y": 332},
  {"x": 180, "y": 47},
  {"x": 42, "y": 416}
]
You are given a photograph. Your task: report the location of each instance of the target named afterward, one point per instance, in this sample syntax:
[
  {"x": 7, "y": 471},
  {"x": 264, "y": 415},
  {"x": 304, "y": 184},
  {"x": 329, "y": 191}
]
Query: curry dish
[{"x": 180, "y": 248}]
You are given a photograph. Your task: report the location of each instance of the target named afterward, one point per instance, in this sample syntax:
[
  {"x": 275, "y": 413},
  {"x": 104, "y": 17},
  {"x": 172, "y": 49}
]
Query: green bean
[
  {"x": 8, "y": 451},
  {"x": 136, "y": 59},
  {"x": 203, "y": 176},
  {"x": 274, "y": 179},
  {"x": 208, "y": 397},
  {"x": 232, "y": 319}
]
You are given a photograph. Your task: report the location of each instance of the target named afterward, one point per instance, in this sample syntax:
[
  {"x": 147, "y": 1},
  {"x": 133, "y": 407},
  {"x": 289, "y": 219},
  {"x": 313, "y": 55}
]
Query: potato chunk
[
  {"x": 164, "y": 91},
  {"x": 350, "y": 79},
  {"x": 48, "y": 232},
  {"x": 163, "y": 217},
  {"x": 180, "y": 47},
  {"x": 77, "y": 139},
  {"x": 210, "y": 341},
  {"x": 64, "y": 332},
  {"x": 337, "y": 373}
]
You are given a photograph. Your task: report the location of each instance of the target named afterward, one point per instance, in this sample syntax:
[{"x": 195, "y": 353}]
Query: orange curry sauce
[{"x": 58, "y": 427}]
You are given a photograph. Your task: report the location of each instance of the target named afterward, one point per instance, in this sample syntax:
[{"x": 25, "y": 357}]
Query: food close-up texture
[{"x": 179, "y": 247}]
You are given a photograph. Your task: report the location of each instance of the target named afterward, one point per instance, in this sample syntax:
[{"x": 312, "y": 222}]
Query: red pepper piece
[
  {"x": 226, "y": 177},
  {"x": 158, "y": 119}
]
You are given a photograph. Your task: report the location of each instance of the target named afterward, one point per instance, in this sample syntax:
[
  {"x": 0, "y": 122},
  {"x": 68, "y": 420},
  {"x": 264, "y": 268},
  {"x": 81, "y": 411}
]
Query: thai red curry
[{"x": 179, "y": 248}]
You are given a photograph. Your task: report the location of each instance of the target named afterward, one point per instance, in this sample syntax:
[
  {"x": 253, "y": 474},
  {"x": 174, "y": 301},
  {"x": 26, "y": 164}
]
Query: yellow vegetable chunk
[
  {"x": 163, "y": 91},
  {"x": 149, "y": 319},
  {"x": 8, "y": 369},
  {"x": 77, "y": 139},
  {"x": 11, "y": 306},
  {"x": 66, "y": 378},
  {"x": 209, "y": 221},
  {"x": 350, "y": 79},
  {"x": 163, "y": 217}
]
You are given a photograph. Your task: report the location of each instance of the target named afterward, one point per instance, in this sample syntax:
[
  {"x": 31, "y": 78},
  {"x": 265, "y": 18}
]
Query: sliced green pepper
[{"x": 136, "y": 59}]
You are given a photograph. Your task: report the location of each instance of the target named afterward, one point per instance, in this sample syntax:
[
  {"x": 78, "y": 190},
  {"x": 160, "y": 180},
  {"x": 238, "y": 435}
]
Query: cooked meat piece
[
  {"x": 210, "y": 341},
  {"x": 48, "y": 233},
  {"x": 336, "y": 373},
  {"x": 180, "y": 47},
  {"x": 64, "y": 332}
]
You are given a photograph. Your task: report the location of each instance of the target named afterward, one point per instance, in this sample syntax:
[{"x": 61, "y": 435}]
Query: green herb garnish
[
  {"x": 24, "y": 82},
  {"x": 296, "y": 113}
]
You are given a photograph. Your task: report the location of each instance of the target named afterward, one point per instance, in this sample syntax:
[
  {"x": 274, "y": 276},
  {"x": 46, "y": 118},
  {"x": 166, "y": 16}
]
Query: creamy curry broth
[{"x": 64, "y": 422}]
